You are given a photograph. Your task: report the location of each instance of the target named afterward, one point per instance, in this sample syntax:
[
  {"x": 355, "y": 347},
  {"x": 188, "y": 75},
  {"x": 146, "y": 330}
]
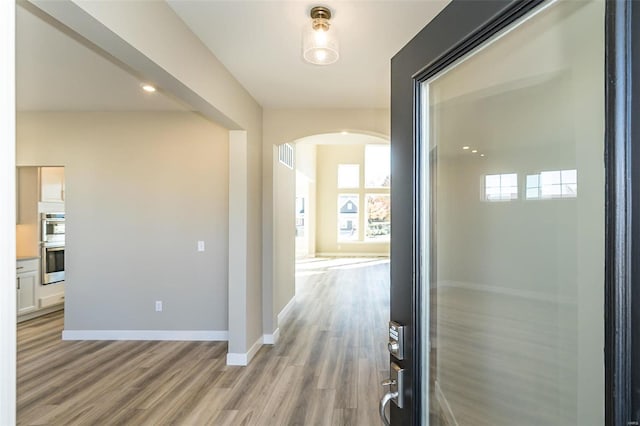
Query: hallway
[{"x": 325, "y": 370}]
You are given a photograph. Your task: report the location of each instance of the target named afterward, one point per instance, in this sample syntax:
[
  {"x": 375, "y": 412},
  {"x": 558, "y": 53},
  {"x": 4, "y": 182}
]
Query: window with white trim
[
  {"x": 501, "y": 187},
  {"x": 552, "y": 184}
]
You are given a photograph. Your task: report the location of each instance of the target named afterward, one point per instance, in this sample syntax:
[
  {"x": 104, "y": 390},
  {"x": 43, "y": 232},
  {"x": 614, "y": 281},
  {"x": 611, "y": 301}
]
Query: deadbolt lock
[{"x": 396, "y": 340}]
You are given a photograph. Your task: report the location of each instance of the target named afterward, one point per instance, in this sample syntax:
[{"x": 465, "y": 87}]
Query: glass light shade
[{"x": 320, "y": 46}]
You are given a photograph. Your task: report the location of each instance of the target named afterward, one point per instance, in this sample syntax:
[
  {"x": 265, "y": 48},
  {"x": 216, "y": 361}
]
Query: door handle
[
  {"x": 383, "y": 403},
  {"x": 396, "y": 389}
]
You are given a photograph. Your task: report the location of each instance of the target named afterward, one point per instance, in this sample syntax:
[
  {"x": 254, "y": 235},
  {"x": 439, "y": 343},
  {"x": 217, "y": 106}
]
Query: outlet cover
[
  {"x": 200, "y": 245},
  {"x": 158, "y": 305}
]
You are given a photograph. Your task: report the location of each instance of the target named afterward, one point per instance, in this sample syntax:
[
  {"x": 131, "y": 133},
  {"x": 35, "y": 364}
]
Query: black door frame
[{"x": 460, "y": 27}]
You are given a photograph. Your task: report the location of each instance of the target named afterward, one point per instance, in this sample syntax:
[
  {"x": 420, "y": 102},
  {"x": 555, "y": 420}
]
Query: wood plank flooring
[{"x": 325, "y": 370}]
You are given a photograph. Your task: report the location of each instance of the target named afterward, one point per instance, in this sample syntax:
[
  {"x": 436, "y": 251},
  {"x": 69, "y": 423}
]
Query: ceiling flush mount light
[
  {"x": 319, "y": 43},
  {"x": 148, "y": 88}
]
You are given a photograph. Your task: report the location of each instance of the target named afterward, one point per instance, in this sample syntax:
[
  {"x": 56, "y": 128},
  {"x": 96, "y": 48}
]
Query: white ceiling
[
  {"x": 55, "y": 72},
  {"x": 258, "y": 41}
]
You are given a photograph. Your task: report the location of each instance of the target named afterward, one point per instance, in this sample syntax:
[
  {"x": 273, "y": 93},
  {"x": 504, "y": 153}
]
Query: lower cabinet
[
  {"x": 34, "y": 299},
  {"x": 26, "y": 283}
]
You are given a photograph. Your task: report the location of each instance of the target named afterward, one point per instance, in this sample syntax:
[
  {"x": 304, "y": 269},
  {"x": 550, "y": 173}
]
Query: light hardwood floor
[{"x": 325, "y": 370}]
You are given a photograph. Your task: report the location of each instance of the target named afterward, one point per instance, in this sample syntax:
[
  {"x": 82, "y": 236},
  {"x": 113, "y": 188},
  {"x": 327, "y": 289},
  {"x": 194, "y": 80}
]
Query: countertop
[{"x": 19, "y": 258}]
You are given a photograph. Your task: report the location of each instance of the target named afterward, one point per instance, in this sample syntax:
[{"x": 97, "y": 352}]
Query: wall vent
[{"x": 285, "y": 153}]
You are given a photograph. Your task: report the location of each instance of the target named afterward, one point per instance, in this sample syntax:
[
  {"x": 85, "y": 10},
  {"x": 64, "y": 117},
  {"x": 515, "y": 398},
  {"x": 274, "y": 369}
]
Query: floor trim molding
[
  {"x": 283, "y": 313},
  {"x": 243, "y": 359},
  {"x": 513, "y": 292},
  {"x": 178, "y": 335},
  {"x": 352, "y": 254},
  {"x": 271, "y": 339},
  {"x": 447, "y": 412}
]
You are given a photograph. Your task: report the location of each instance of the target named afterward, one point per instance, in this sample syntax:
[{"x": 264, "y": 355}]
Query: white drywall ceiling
[
  {"x": 260, "y": 43},
  {"x": 55, "y": 72}
]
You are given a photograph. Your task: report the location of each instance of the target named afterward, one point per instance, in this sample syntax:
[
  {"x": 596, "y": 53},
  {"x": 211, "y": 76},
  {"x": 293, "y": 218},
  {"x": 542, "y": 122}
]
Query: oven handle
[{"x": 53, "y": 248}]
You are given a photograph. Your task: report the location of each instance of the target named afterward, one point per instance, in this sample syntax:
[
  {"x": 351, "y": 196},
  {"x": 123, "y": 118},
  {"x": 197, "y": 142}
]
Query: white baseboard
[
  {"x": 40, "y": 312},
  {"x": 271, "y": 339},
  {"x": 447, "y": 412},
  {"x": 244, "y": 358},
  {"x": 518, "y": 293},
  {"x": 351, "y": 254},
  {"x": 283, "y": 313},
  {"x": 179, "y": 335}
]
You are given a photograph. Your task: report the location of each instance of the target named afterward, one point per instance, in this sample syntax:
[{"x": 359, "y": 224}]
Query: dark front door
[{"x": 512, "y": 251}]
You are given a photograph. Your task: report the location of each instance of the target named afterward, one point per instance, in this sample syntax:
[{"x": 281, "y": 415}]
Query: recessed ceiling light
[
  {"x": 465, "y": 147},
  {"x": 148, "y": 88},
  {"x": 481, "y": 155},
  {"x": 474, "y": 151}
]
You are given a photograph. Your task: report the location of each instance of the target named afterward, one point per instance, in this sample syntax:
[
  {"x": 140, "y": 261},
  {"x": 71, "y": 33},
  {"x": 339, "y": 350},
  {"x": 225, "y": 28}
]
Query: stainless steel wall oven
[{"x": 53, "y": 244}]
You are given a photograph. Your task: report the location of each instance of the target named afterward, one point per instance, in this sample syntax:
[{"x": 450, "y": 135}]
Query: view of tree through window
[
  {"x": 371, "y": 197},
  {"x": 378, "y": 217}
]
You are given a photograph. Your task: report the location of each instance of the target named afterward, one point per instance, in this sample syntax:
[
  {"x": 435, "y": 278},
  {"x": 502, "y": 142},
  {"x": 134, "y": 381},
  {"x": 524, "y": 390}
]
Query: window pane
[
  {"x": 348, "y": 175},
  {"x": 348, "y": 217},
  {"x": 377, "y": 167},
  {"x": 492, "y": 181},
  {"x": 510, "y": 179},
  {"x": 533, "y": 181},
  {"x": 533, "y": 193},
  {"x": 501, "y": 187},
  {"x": 378, "y": 217},
  {"x": 550, "y": 178},
  {"x": 569, "y": 176}
]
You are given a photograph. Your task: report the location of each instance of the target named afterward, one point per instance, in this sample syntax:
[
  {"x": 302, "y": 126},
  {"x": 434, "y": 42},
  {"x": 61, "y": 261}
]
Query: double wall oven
[{"x": 52, "y": 245}]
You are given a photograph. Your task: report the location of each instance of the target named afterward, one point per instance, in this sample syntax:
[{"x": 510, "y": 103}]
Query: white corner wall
[{"x": 7, "y": 216}]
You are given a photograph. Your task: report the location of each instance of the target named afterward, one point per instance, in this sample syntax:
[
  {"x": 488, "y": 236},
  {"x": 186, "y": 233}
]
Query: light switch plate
[
  {"x": 158, "y": 305},
  {"x": 200, "y": 245}
]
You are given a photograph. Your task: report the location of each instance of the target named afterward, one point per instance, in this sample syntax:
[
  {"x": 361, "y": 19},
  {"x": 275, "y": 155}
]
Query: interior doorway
[{"x": 342, "y": 196}]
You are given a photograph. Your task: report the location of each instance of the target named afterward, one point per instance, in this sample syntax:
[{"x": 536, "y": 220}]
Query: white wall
[
  {"x": 141, "y": 190},
  {"x": 285, "y": 244},
  {"x": 7, "y": 216},
  {"x": 288, "y": 125},
  {"x": 306, "y": 187}
]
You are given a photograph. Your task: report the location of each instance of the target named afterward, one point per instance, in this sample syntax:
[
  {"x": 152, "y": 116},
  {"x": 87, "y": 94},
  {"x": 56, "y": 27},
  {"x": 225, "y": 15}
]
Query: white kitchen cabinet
[
  {"x": 52, "y": 184},
  {"x": 27, "y": 281}
]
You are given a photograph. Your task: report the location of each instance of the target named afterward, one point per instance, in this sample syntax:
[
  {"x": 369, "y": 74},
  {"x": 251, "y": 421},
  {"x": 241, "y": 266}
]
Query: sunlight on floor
[{"x": 320, "y": 265}]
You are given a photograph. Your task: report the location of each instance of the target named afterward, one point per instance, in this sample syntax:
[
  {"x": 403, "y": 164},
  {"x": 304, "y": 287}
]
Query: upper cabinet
[
  {"x": 38, "y": 190},
  {"x": 52, "y": 184}
]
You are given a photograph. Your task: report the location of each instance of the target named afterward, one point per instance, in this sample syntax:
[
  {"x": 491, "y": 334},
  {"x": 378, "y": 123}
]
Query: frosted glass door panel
[{"x": 513, "y": 226}]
